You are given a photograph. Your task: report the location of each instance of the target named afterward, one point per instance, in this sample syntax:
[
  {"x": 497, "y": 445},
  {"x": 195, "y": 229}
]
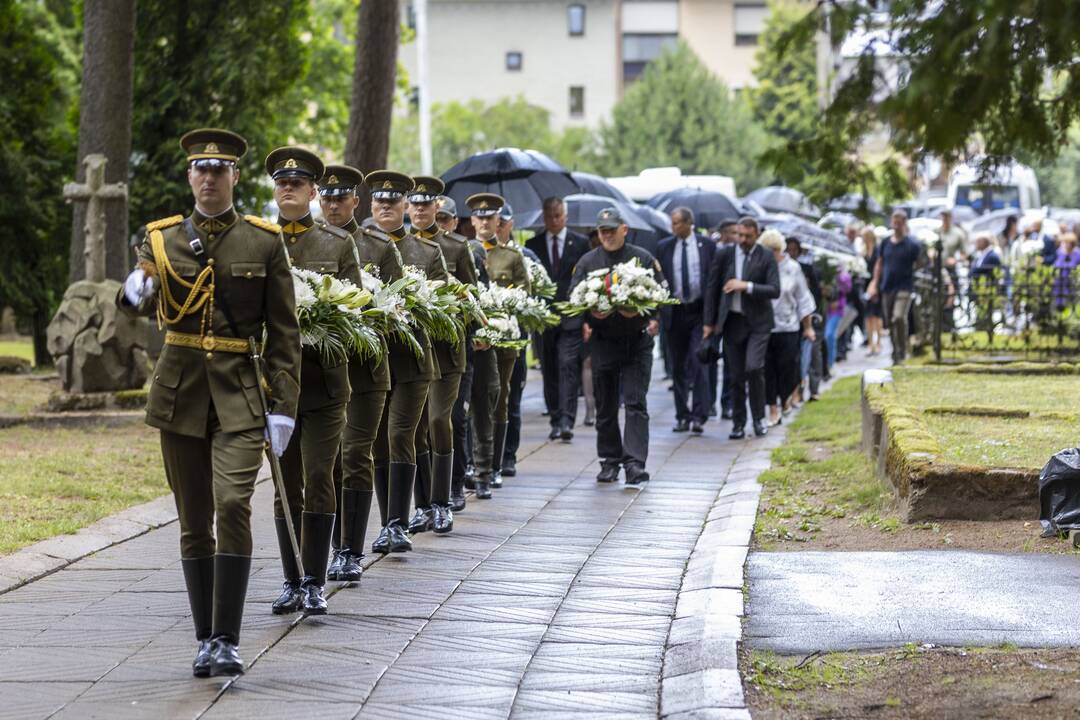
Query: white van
[
  {"x": 652, "y": 181},
  {"x": 1010, "y": 186}
]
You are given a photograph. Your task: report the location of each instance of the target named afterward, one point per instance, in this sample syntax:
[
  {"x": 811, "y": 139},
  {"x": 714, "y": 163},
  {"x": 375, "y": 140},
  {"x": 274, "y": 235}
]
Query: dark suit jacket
[
  {"x": 986, "y": 267},
  {"x": 760, "y": 269},
  {"x": 573, "y": 248},
  {"x": 665, "y": 253}
]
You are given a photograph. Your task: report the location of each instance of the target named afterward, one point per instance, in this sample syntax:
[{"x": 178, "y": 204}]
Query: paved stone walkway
[{"x": 555, "y": 599}]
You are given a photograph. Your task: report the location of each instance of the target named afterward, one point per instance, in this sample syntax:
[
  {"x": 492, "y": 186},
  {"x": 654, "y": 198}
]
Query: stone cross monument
[{"x": 94, "y": 192}]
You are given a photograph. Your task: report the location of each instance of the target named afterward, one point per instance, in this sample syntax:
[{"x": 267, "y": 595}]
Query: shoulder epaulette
[
  {"x": 377, "y": 234},
  {"x": 263, "y": 224},
  {"x": 454, "y": 236},
  {"x": 427, "y": 241},
  {"x": 164, "y": 223},
  {"x": 335, "y": 230}
]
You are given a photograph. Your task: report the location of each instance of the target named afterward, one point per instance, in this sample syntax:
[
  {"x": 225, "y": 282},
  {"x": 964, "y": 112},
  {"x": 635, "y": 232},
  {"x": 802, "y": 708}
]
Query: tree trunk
[
  {"x": 105, "y": 125},
  {"x": 378, "y": 27},
  {"x": 39, "y": 323}
]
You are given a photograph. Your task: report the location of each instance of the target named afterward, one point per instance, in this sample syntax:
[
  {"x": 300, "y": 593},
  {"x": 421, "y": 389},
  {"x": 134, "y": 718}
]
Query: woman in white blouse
[{"x": 792, "y": 311}]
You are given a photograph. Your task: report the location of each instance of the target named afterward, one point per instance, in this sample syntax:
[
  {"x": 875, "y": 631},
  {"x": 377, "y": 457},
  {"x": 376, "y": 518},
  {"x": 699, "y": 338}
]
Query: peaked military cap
[
  {"x": 213, "y": 147},
  {"x": 292, "y": 161},
  {"x": 427, "y": 189},
  {"x": 506, "y": 212},
  {"x": 485, "y": 204},
  {"x": 387, "y": 184},
  {"x": 445, "y": 205},
  {"x": 339, "y": 180},
  {"x": 609, "y": 218}
]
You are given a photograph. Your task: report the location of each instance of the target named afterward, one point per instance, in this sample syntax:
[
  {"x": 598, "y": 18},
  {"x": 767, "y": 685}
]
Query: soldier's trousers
[
  {"x": 460, "y": 420},
  {"x": 439, "y": 411},
  {"x": 355, "y": 465},
  {"x": 485, "y": 394},
  {"x": 396, "y": 442},
  {"x": 307, "y": 467},
  {"x": 622, "y": 364},
  {"x": 212, "y": 476},
  {"x": 513, "y": 410},
  {"x": 506, "y": 359}
]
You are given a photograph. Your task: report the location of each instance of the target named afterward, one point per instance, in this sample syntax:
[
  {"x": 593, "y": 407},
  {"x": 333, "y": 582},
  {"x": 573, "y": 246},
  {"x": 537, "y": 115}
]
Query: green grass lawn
[
  {"x": 56, "y": 481},
  {"x": 22, "y": 394},
  {"x": 17, "y": 348}
]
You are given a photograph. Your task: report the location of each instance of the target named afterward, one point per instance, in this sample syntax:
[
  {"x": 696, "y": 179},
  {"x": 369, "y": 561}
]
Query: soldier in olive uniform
[
  {"x": 505, "y": 267},
  {"x": 433, "y": 507},
  {"x": 215, "y": 280},
  {"x": 354, "y": 471},
  {"x": 308, "y": 462},
  {"x": 399, "y": 448}
]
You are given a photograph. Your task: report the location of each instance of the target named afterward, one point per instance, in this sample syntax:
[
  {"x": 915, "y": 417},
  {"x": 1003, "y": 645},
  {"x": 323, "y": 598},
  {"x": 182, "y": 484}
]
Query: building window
[
  {"x": 639, "y": 49},
  {"x": 577, "y": 101},
  {"x": 410, "y": 16},
  {"x": 575, "y": 19},
  {"x": 749, "y": 22},
  {"x": 513, "y": 61}
]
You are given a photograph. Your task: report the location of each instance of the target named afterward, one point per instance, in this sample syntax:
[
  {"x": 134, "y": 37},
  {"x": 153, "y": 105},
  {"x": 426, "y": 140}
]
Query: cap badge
[
  {"x": 290, "y": 164},
  {"x": 332, "y": 180},
  {"x": 483, "y": 205},
  {"x": 211, "y": 148},
  {"x": 388, "y": 185}
]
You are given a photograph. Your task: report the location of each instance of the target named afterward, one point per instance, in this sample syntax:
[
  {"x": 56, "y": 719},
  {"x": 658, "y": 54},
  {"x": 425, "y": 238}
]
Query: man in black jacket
[
  {"x": 621, "y": 349},
  {"x": 559, "y": 249},
  {"x": 743, "y": 280}
]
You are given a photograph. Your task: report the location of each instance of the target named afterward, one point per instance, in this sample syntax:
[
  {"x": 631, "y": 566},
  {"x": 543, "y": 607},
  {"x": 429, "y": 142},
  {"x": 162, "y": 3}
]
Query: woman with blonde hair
[{"x": 874, "y": 318}]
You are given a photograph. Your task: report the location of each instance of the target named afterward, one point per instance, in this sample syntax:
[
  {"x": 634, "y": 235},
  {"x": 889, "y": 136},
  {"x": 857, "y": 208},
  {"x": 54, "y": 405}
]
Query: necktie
[
  {"x": 555, "y": 255},
  {"x": 685, "y": 279}
]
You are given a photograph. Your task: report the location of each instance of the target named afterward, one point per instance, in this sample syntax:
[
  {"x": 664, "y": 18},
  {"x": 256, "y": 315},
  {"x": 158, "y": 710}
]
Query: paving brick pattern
[{"x": 561, "y": 598}]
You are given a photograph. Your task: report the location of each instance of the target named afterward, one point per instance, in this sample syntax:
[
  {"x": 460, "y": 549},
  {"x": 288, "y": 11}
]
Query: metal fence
[{"x": 1031, "y": 313}]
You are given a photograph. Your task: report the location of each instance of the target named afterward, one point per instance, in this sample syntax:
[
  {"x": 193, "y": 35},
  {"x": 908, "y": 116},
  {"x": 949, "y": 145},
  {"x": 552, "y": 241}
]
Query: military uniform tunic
[{"x": 506, "y": 268}]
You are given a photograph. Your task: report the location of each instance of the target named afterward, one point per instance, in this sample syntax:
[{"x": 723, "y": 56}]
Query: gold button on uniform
[
  {"x": 209, "y": 356},
  {"x": 292, "y": 240},
  {"x": 247, "y": 274},
  {"x": 211, "y": 260}
]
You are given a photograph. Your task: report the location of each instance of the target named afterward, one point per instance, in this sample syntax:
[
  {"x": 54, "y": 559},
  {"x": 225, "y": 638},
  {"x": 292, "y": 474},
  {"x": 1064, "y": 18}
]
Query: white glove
[
  {"x": 138, "y": 287},
  {"x": 279, "y": 429}
]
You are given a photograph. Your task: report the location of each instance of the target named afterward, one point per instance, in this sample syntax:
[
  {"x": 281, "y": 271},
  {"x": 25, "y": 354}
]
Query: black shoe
[
  {"x": 760, "y": 428},
  {"x": 351, "y": 569},
  {"x": 635, "y": 474},
  {"x": 200, "y": 667},
  {"x": 443, "y": 520},
  {"x": 421, "y": 521},
  {"x": 589, "y": 422},
  {"x": 497, "y": 455},
  {"x": 470, "y": 477},
  {"x": 712, "y": 412},
  {"x": 737, "y": 434},
  {"x": 566, "y": 433},
  {"x": 483, "y": 488},
  {"x": 381, "y": 544},
  {"x": 509, "y": 468},
  {"x": 314, "y": 602},
  {"x": 457, "y": 498},
  {"x": 334, "y": 569},
  {"x": 554, "y": 434},
  {"x": 697, "y": 428},
  {"x": 398, "y": 540},
  {"x": 225, "y": 658},
  {"x": 727, "y": 415},
  {"x": 290, "y": 599},
  {"x": 681, "y": 426},
  {"x": 496, "y": 480},
  {"x": 608, "y": 473}
]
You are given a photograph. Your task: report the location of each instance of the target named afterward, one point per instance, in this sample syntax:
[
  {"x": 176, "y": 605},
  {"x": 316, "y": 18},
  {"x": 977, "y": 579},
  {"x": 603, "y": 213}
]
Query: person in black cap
[
  {"x": 215, "y": 279},
  {"x": 308, "y": 463},
  {"x": 433, "y": 483},
  {"x": 621, "y": 349},
  {"x": 354, "y": 472},
  {"x": 400, "y": 448}
]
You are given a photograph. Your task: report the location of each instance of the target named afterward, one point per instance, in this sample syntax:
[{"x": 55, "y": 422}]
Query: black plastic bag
[{"x": 1059, "y": 493}]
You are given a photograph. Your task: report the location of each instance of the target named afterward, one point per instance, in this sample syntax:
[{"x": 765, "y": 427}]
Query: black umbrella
[
  {"x": 660, "y": 222},
  {"x": 710, "y": 208},
  {"x": 807, "y": 232},
  {"x": 780, "y": 199},
  {"x": 523, "y": 177},
  {"x": 853, "y": 203},
  {"x": 582, "y": 209},
  {"x": 596, "y": 185}
]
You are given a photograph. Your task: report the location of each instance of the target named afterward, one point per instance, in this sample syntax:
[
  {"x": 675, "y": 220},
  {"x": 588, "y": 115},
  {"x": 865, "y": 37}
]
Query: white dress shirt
[
  {"x": 560, "y": 238},
  {"x": 693, "y": 260},
  {"x": 740, "y": 258}
]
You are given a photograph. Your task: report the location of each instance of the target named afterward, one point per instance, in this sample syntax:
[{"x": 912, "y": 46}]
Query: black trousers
[
  {"x": 744, "y": 352},
  {"x": 781, "y": 366},
  {"x": 459, "y": 418},
  {"x": 689, "y": 376},
  {"x": 560, "y": 363},
  {"x": 626, "y": 364},
  {"x": 513, "y": 411}
]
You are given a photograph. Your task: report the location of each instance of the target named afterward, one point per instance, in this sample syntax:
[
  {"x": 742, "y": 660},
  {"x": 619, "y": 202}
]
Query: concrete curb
[{"x": 45, "y": 557}]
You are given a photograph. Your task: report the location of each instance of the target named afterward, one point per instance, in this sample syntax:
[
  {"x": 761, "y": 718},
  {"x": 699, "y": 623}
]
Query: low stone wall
[{"x": 910, "y": 460}]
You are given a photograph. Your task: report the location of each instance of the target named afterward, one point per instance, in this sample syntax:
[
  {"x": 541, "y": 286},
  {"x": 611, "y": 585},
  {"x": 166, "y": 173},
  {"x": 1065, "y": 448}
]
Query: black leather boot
[
  {"x": 336, "y": 555},
  {"x": 318, "y": 527},
  {"x": 422, "y": 517},
  {"x": 230, "y": 590},
  {"x": 402, "y": 477},
  {"x": 483, "y": 486},
  {"x": 497, "y": 456},
  {"x": 382, "y": 491},
  {"x": 199, "y": 578},
  {"x": 290, "y": 599},
  {"x": 358, "y": 503},
  {"x": 442, "y": 471}
]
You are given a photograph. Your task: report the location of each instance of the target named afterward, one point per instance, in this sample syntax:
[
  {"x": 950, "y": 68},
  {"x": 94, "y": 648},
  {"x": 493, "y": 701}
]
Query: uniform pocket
[
  {"x": 161, "y": 403},
  {"x": 248, "y": 270},
  {"x": 327, "y": 267},
  {"x": 250, "y": 387},
  {"x": 185, "y": 270}
]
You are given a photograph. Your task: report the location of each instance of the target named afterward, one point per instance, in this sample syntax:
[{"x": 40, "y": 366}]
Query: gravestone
[
  {"x": 8, "y": 327},
  {"x": 96, "y": 348}
]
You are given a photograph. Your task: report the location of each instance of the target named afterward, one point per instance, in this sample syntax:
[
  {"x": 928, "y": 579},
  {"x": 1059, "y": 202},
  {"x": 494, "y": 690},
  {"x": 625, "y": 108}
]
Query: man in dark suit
[
  {"x": 685, "y": 259},
  {"x": 743, "y": 280},
  {"x": 559, "y": 249}
]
